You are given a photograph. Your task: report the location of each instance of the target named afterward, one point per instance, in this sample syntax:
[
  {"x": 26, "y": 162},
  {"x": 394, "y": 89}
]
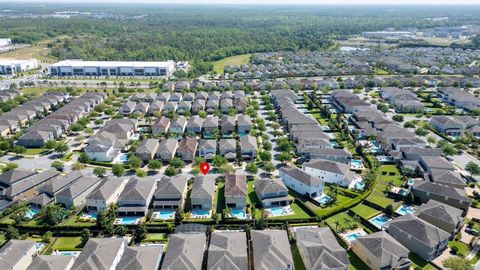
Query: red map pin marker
[{"x": 205, "y": 168}]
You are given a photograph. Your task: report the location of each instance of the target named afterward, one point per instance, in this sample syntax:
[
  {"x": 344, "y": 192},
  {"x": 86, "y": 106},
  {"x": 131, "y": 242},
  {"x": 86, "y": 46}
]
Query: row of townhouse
[
  {"x": 310, "y": 140},
  {"x": 185, "y": 103},
  {"x": 404, "y": 100},
  {"x": 227, "y": 125},
  {"x": 8, "y": 94},
  {"x": 456, "y": 126},
  {"x": 189, "y": 148},
  {"x": 110, "y": 140},
  {"x": 56, "y": 124},
  {"x": 459, "y": 98},
  {"x": 21, "y": 116},
  {"x": 98, "y": 253}
]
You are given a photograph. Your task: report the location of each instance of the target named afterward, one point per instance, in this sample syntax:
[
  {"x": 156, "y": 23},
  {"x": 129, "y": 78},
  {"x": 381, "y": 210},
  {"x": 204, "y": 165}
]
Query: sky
[{"x": 277, "y": 2}]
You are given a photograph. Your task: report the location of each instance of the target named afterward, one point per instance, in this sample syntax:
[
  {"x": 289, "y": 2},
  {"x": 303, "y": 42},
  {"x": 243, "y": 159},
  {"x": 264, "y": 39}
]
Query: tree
[
  {"x": 219, "y": 161},
  {"x": 61, "y": 148},
  {"x": 285, "y": 157},
  {"x": 268, "y": 167},
  {"x": 154, "y": 164},
  {"x": 9, "y": 167},
  {"x": 251, "y": 168},
  {"x": 457, "y": 263},
  {"x": 135, "y": 162},
  {"x": 12, "y": 233},
  {"x": 58, "y": 165},
  {"x": 431, "y": 139},
  {"x": 140, "y": 173},
  {"x": 52, "y": 214},
  {"x": 389, "y": 210},
  {"x": 265, "y": 156},
  {"x": 47, "y": 237},
  {"x": 171, "y": 171},
  {"x": 177, "y": 163},
  {"x": 99, "y": 171},
  {"x": 398, "y": 118},
  {"x": 83, "y": 158},
  {"x": 85, "y": 235},
  {"x": 448, "y": 150},
  {"x": 178, "y": 217},
  {"x": 267, "y": 146},
  {"x": 473, "y": 168},
  {"x": 121, "y": 230},
  {"x": 118, "y": 170},
  {"x": 409, "y": 124},
  {"x": 421, "y": 131},
  {"x": 18, "y": 149},
  {"x": 140, "y": 233}
]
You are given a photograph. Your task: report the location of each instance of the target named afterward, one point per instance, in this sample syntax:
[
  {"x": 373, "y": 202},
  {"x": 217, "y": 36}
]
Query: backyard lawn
[
  {"x": 419, "y": 262},
  {"x": 355, "y": 262},
  {"x": 236, "y": 60},
  {"x": 67, "y": 243},
  {"x": 156, "y": 237},
  {"x": 341, "y": 200},
  {"x": 364, "y": 211},
  {"x": 252, "y": 198},
  {"x": 298, "y": 213},
  {"x": 386, "y": 174},
  {"x": 343, "y": 221}
]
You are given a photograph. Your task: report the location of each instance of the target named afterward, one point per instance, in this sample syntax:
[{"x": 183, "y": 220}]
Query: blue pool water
[
  {"x": 122, "y": 158},
  {"x": 403, "y": 192},
  {"x": 411, "y": 181},
  {"x": 356, "y": 162},
  {"x": 326, "y": 128},
  {"x": 90, "y": 215},
  {"x": 353, "y": 236},
  {"x": 375, "y": 147},
  {"x": 277, "y": 211},
  {"x": 380, "y": 221},
  {"x": 39, "y": 246},
  {"x": 135, "y": 137},
  {"x": 384, "y": 159},
  {"x": 200, "y": 213},
  {"x": 324, "y": 199},
  {"x": 359, "y": 185},
  {"x": 405, "y": 209},
  {"x": 68, "y": 253},
  {"x": 239, "y": 213},
  {"x": 166, "y": 214},
  {"x": 334, "y": 143},
  {"x": 32, "y": 212},
  {"x": 128, "y": 220}
]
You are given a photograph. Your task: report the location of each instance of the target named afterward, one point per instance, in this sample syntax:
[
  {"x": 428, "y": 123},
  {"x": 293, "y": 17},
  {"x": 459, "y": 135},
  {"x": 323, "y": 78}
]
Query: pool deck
[{"x": 345, "y": 235}]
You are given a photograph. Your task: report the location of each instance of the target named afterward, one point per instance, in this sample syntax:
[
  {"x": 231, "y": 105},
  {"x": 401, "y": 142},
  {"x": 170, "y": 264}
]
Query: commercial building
[
  {"x": 12, "y": 66},
  {"x": 112, "y": 68}
]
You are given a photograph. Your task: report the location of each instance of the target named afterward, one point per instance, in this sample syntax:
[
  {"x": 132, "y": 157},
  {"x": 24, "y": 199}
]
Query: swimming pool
[
  {"x": 67, "y": 253},
  {"x": 200, "y": 214},
  {"x": 352, "y": 236},
  {"x": 39, "y": 246},
  {"x": 32, "y": 212},
  {"x": 411, "y": 181},
  {"x": 405, "y": 209},
  {"x": 239, "y": 213},
  {"x": 135, "y": 137},
  {"x": 127, "y": 220},
  {"x": 333, "y": 143},
  {"x": 280, "y": 211},
  {"x": 326, "y": 128},
  {"x": 360, "y": 185},
  {"x": 164, "y": 214},
  {"x": 324, "y": 199},
  {"x": 90, "y": 215},
  {"x": 356, "y": 164},
  {"x": 384, "y": 159},
  {"x": 121, "y": 158},
  {"x": 380, "y": 221}
]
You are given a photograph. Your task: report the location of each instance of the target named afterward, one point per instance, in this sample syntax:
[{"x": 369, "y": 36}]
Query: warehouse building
[{"x": 12, "y": 66}]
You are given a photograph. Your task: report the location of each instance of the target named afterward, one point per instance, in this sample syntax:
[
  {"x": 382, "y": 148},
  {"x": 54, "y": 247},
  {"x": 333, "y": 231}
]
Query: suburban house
[
  {"x": 319, "y": 249},
  {"x": 161, "y": 126},
  {"x": 19, "y": 184},
  {"x": 185, "y": 251},
  {"x": 136, "y": 197},
  {"x": 18, "y": 254},
  {"x": 271, "y": 192},
  {"x": 235, "y": 191},
  {"x": 105, "y": 194},
  {"x": 187, "y": 149},
  {"x": 403, "y": 100},
  {"x": 424, "y": 191},
  {"x": 228, "y": 250},
  {"x": 430, "y": 163},
  {"x": 210, "y": 126},
  {"x": 207, "y": 149},
  {"x": 198, "y": 105},
  {"x": 330, "y": 171},
  {"x": 141, "y": 107},
  {"x": 381, "y": 251},
  {"x": 447, "y": 177},
  {"x": 170, "y": 106},
  {"x": 52, "y": 262},
  {"x": 142, "y": 257},
  {"x": 302, "y": 182},
  {"x": 167, "y": 149},
  {"x": 244, "y": 123},
  {"x": 228, "y": 148},
  {"x": 127, "y": 108},
  {"x": 248, "y": 147},
  {"x": 456, "y": 126},
  {"x": 156, "y": 106},
  {"x": 76, "y": 194},
  {"x": 443, "y": 216},
  {"x": 270, "y": 244},
  {"x": 194, "y": 125},
  {"x": 184, "y": 107},
  {"x": 333, "y": 154},
  {"x": 203, "y": 189},
  {"x": 100, "y": 253},
  {"x": 147, "y": 149},
  {"x": 419, "y": 236},
  {"x": 227, "y": 125},
  {"x": 346, "y": 101},
  {"x": 47, "y": 191},
  {"x": 178, "y": 125},
  {"x": 171, "y": 193}
]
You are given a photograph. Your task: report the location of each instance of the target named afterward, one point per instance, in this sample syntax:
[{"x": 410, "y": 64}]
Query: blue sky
[{"x": 283, "y": 2}]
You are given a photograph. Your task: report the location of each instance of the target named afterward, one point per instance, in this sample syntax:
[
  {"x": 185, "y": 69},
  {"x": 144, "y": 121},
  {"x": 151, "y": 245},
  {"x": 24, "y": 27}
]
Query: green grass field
[
  {"x": 355, "y": 262},
  {"x": 67, "y": 243},
  {"x": 236, "y": 60},
  {"x": 156, "y": 237},
  {"x": 386, "y": 174},
  {"x": 297, "y": 259},
  {"x": 365, "y": 211}
]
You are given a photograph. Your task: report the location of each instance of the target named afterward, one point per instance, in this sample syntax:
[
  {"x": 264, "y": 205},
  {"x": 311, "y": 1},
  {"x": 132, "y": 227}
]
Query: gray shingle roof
[
  {"x": 51, "y": 262},
  {"x": 440, "y": 211},
  {"x": 141, "y": 258},
  {"x": 228, "y": 250},
  {"x": 264, "y": 186},
  {"x": 420, "y": 229},
  {"x": 203, "y": 187},
  {"x": 78, "y": 187},
  {"x": 442, "y": 190},
  {"x": 171, "y": 186},
  {"x": 301, "y": 176},
  {"x": 106, "y": 189},
  {"x": 137, "y": 189},
  {"x": 271, "y": 250},
  {"x": 99, "y": 253},
  {"x": 329, "y": 166},
  {"x": 235, "y": 185},
  {"x": 14, "y": 175},
  {"x": 185, "y": 251},
  {"x": 13, "y": 251}
]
